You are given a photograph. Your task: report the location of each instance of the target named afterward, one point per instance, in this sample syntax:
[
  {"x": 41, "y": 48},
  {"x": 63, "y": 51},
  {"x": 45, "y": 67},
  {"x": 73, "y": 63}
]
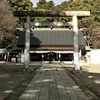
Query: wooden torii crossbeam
[
  {"x": 73, "y": 14},
  {"x": 51, "y": 13}
]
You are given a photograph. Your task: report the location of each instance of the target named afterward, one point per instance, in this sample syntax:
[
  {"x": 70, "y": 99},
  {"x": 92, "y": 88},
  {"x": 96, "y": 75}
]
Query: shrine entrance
[{"x": 73, "y": 14}]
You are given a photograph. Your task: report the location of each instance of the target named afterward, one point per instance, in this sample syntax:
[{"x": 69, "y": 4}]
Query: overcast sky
[{"x": 55, "y": 1}]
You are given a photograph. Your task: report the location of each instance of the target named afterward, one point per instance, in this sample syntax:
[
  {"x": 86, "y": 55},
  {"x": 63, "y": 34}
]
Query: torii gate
[{"x": 73, "y": 14}]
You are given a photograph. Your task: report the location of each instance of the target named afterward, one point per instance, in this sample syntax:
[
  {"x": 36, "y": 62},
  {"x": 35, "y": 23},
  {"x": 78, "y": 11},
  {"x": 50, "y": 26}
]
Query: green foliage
[
  {"x": 20, "y": 5},
  {"x": 95, "y": 12},
  {"x": 41, "y": 4},
  {"x": 89, "y": 23},
  {"x": 73, "y": 5},
  {"x": 49, "y": 5}
]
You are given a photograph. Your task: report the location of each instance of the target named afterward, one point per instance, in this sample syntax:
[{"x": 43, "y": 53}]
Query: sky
[{"x": 55, "y": 1}]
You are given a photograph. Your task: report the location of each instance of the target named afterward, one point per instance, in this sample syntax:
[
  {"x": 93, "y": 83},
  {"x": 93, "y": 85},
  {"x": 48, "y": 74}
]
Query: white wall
[{"x": 95, "y": 56}]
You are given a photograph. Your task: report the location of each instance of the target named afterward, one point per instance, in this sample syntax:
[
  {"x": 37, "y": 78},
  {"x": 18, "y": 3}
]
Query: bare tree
[
  {"x": 7, "y": 24},
  {"x": 96, "y": 37}
]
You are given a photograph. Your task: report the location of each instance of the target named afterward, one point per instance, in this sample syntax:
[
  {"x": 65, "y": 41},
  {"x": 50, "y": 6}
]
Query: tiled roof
[{"x": 51, "y": 37}]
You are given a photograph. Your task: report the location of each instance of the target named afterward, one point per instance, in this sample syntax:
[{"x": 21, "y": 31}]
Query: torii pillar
[
  {"x": 27, "y": 43},
  {"x": 76, "y": 44}
]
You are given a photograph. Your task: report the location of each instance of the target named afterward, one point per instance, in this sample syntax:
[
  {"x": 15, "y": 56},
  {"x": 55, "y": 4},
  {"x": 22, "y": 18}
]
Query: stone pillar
[
  {"x": 76, "y": 46},
  {"x": 27, "y": 44}
]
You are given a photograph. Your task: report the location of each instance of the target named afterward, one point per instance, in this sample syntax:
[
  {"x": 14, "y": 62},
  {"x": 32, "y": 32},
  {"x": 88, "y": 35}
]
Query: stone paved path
[{"x": 52, "y": 83}]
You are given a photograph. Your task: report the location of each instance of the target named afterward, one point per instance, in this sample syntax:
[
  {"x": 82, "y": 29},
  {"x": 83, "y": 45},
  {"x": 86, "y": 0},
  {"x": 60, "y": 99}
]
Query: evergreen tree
[
  {"x": 21, "y": 5},
  {"x": 49, "y": 5},
  {"x": 41, "y": 4}
]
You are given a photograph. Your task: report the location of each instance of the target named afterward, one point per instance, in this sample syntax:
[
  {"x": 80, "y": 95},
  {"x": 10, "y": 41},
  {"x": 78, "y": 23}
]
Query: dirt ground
[
  {"x": 89, "y": 76},
  {"x": 13, "y": 77}
]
